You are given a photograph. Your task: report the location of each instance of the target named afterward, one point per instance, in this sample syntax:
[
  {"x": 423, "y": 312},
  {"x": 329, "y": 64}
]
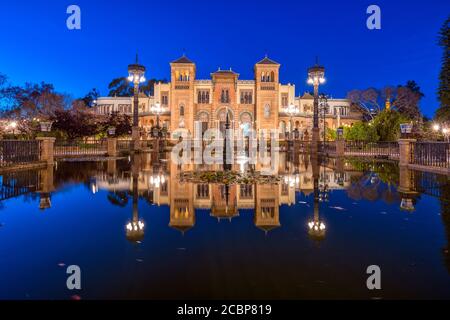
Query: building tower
[
  {"x": 181, "y": 100},
  {"x": 267, "y": 88}
]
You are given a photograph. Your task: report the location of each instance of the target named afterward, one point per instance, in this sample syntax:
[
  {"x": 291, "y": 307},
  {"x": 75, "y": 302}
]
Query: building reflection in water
[{"x": 157, "y": 181}]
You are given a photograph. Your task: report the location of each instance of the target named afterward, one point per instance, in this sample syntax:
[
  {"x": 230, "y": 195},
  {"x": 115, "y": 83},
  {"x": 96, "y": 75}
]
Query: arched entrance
[
  {"x": 222, "y": 118},
  {"x": 203, "y": 118},
  {"x": 245, "y": 120}
]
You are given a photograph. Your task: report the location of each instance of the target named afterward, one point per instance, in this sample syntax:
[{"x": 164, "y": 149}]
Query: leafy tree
[
  {"x": 120, "y": 87},
  {"x": 403, "y": 98},
  {"x": 121, "y": 122},
  {"x": 387, "y": 124},
  {"x": 407, "y": 100},
  {"x": 361, "y": 131},
  {"x": 90, "y": 97},
  {"x": 76, "y": 123},
  {"x": 443, "y": 112}
]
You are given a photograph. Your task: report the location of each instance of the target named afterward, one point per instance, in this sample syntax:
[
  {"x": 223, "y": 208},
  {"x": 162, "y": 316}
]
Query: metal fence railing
[
  {"x": 328, "y": 147},
  {"x": 365, "y": 148},
  {"x": 80, "y": 148},
  {"x": 124, "y": 145},
  {"x": 14, "y": 152},
  {"x": 434, "y": 154}
]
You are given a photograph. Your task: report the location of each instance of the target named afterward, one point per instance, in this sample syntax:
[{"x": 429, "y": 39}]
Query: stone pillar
[
  {"x": 406, "y": 188},
  {"x": 46, "y": 187},
  {"x": 111, "y": 167},
  {"x": 405, "y": 146},
  {"x": 112, "y": 147},
  {"x": 340, "y": 148},
  {"x": 47, "y": 152}
]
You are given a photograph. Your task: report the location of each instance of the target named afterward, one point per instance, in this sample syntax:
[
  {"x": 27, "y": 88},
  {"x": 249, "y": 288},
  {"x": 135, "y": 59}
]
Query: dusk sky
[{"x": 37, "y": 46}]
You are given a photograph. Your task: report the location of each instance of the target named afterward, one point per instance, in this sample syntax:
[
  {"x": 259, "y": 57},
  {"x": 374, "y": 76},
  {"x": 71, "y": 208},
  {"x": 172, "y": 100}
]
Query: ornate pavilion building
[{"x": 260, "y": 103}]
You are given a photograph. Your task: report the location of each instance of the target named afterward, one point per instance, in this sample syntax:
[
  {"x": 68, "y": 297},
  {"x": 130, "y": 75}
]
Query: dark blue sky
[{"x": 35, "y": 44}]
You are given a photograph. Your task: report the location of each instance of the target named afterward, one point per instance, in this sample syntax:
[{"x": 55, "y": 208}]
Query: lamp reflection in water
[
  {"x": 135, "y": 227},
  {"x": 316, "y": 227}
]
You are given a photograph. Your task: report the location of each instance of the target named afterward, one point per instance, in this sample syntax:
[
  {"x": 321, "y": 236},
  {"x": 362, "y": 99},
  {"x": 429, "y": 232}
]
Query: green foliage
[
  {"x": 120, "y": 87},
  {"x": 443, "y": 113},
  {"x": 387, "y": 124},
  {"x": 330, "y": 134},
  {"x": 361, "y": 131},
  {"x": 121, "y": 122}
]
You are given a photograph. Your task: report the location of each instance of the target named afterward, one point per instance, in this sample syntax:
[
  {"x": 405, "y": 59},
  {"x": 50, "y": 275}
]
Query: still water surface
[{"x": 136, "y": 231}]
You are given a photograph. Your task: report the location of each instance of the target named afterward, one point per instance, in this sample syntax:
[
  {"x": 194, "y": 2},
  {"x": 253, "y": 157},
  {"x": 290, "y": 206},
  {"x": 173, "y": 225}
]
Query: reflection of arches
[
  {"x": 297, "y": 124},
  {"x": 152, "y": 123}
]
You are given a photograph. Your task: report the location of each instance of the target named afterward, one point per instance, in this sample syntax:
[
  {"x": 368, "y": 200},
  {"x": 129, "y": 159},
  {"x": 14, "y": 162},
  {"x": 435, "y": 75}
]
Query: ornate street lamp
[
  {"x": 13, "y": 126},
  {"x": 292, "y": 110},
  {"x": 323, "y": 103},
  {"x": 292, "y": 180},
  {"x": 436, "y": 127},
  {"x": 46, "y": 126},
  {"x": 112, "y": 131},
  {"x": 316, "y": 77},
  {"x": 157, "y": 180},
  {"x": 136, "y": 76},
  {"x": 446, "y": 132}
]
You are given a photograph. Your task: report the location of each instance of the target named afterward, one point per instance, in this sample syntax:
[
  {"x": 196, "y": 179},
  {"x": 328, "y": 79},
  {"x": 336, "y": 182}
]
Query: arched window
[
  {"x": 272, "y": 76},
  {"x": 181, "y": 111},
  {"x": 263, "y": 77}
]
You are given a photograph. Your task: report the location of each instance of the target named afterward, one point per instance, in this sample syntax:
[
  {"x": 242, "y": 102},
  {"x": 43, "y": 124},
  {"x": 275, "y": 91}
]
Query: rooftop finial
[
  {"x": 266, "y": 55},
  {"x": 137, "y": 58},
  {"x": 219, "y": 68}
]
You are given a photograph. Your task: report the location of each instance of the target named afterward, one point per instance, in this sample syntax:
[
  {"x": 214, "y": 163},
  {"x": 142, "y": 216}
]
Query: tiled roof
[
  {"x": 266, "y": 60},
  {"x": 183, "y": 59}
]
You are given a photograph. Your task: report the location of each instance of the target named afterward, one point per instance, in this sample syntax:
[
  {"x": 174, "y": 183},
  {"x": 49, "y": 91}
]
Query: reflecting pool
[{"x": 137, "y": 231}]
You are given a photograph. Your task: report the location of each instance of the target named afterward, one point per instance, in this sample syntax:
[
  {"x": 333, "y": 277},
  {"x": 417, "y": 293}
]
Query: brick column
[
  {"x": 112, "y": 147},
  {"x": 405, "y": 147},
  {"x": 47, "y": 149}
]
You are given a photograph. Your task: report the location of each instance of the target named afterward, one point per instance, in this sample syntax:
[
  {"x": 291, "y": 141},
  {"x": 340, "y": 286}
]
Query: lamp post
[
  {"x": 136, "y": 76},
  {"x": 291, "y": 111},
  {"x": 13, "y": 126},
  {"x": 316, "y": 77},
  {"x": 446, "y": 132},
  {"x": 323, "y": 102}
]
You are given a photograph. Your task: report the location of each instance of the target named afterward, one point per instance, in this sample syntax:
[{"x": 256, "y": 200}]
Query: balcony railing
[{"x": 15, "y": 152}]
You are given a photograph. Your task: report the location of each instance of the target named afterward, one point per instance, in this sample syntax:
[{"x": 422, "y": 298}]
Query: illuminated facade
[{"x": 260, "y": 103}]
